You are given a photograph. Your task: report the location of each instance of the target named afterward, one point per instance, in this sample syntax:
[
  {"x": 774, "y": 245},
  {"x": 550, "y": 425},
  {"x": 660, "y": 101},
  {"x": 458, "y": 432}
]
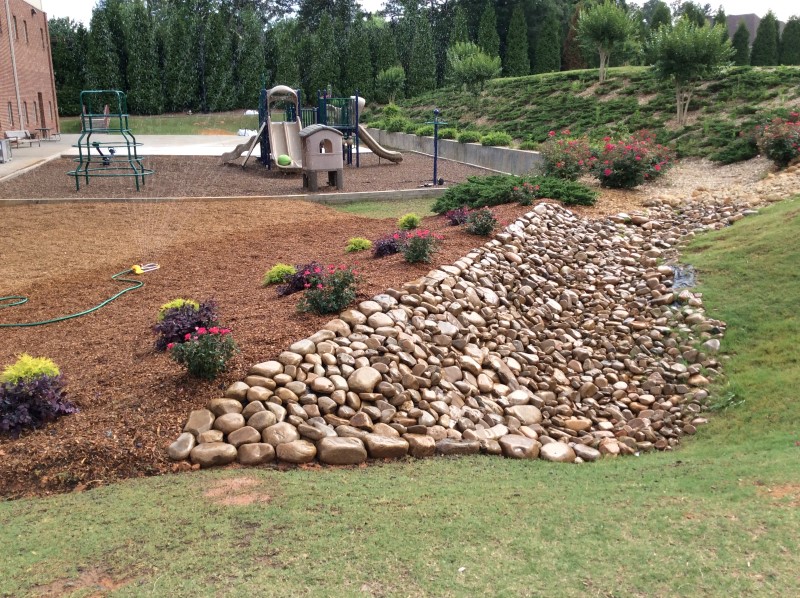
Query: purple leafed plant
[
  {"x": 183, "y": 320},
  {"x": 30, "y": 403}
]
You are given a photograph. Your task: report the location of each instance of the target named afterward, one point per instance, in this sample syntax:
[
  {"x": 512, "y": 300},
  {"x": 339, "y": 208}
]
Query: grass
[
  {"x": 388, "y": 209},
  {"x": 719, "y": 517},
  {"x": 218, "y": 123}
]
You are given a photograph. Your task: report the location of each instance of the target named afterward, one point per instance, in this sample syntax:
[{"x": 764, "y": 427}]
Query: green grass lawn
[
  {"x": 218, "y": 123},
  {"x": 388, "y": 209},
  {"x": 719, "y": 517}
]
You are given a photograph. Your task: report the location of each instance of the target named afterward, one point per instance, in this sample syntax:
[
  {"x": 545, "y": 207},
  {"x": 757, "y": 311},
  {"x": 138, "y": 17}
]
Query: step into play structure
[
  {"x": 107, "y": 147},
  {"x": 282, "y": 119}
]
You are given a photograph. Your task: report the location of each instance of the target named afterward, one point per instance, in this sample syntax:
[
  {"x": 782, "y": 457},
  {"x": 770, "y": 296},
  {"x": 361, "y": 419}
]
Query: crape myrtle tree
[
  {"x": 686, "y": 55},
  {"x": 470, "y": 66},
  {"x": 604, "y": 28},
  {"x": 741, "y": 45},
  {"x": 765, "y": 50},
  {"x": 790, "y": 42}
]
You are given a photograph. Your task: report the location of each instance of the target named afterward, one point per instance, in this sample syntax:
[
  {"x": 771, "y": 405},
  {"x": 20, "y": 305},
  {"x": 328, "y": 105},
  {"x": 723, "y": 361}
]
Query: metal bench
[{"x": 22, "y": 136}]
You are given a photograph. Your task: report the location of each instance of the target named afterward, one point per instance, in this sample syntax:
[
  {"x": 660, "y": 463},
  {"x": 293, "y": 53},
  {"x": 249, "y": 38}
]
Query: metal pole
[{"x": 435, "y": 143}]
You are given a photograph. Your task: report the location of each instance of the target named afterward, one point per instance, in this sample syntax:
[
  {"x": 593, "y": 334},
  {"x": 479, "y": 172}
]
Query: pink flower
[
  {"x": 214, "y": 330},
  {"x": 319, "y": 285},
  {"x": 317, "y": 270},
  {"x": 609, "y": 146},
  {"x": 187, "y": 337},
  {"x": 225, "y": 331},
  {"x": 169, "y": 346},
  {"x": 638, "y": 158},
  {"x": 307, "y": 272},
  {"x": 396, "y": 236},
  {"x": 606, "y": 138},
  {"x": 201, "y": 331},
  {"x": 657, "y": 167},
  {"x": 516, "y": 188},
  {"x": 307, "y": 285},
  {"x": 607, "y": 172},
  {"x": 552, "y": 134}
]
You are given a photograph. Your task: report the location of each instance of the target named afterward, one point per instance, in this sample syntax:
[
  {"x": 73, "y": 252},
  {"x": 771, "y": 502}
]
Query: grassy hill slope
[{"x": 631, "y": 99}]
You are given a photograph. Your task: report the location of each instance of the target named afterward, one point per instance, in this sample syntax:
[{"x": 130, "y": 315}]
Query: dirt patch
[
  {"x": 236, "y": 492},
  {"x": 94, "y": 581},
  {"x": 786, "y": 494}
]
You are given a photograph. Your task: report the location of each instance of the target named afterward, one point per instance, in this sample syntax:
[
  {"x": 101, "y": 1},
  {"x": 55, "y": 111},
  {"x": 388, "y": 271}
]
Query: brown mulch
[
  {"x": 204, "y": 176},
  {"x": 133, "y": 401}
]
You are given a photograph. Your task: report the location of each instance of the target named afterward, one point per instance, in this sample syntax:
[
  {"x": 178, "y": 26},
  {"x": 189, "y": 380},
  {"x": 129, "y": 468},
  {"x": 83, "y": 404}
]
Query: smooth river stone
[
  {"x": 526, "y": 414},
  {"x": 256, "y": 453},
  {"x": 213, "y": 453},
  {"x": 450, "y": 446},
  {"x": 341, "y": 451},
  {"x": 280, "y": 433},
  {"x": 180, "y": 449},
  {"x": 200, "y": 420},
  {"x": 267, "y": 369},
  {"x": 230, "y": 422},
  {"x": 296, "y": 451},
  {"x": 385, "y": 447},
  {"x": 246, "y": 435},
  {"x": 364, "y": 379},
  {"x": 558, "y": 452},
  {"x": 519, "y": 447}
]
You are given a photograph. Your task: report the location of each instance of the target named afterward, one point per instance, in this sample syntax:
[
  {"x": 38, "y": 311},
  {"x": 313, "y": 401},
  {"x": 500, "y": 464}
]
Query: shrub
[
  {"x": 278, "y": 273},
  {"x": 388, "y": 245},
  {"x": 408, "y": 221},
  {"x": 571, "y": 193},
  {"x": 177, "y": 322},
  {"x": 478, "y": 191},
  {"x": 330, "y": 291},
  {"x": 392, "y": 110},
  {"x": 497, "y": 139},
  {"x": 529, "y": 145},
  {"x": 779, "y": 140},
  {"x": 358, "y": 244},
  {"x": 410, "y": 128},
  {"x": 457, "y": 216},
  {"x": 469, "y": 137},
  {"x": 205, "y": 352},
  {"x": 630, "y": 162},
  {"x": 31, "y": 394},
  {"x": 297, "y": 281},
  {"x": 424, "y": 131},
  {"x": 419, "y": 246},
  {"x": 448, "y": 133},
  {"x": 565, "y": 157},
  {"x": 481, "y": 222},
  {"x": 396, "y": 124},
  {"x": 525, "y": 193},
  {"x": 175, "y": 303},
  {"x": 740, "y": 149},
  {"x": 27, "y": 367},
  {"x": 389, "y": 83}
]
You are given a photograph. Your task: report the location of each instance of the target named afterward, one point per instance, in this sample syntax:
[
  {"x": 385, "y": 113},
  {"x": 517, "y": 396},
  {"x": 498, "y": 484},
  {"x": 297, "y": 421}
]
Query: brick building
[{"x": 27, "y": 85}]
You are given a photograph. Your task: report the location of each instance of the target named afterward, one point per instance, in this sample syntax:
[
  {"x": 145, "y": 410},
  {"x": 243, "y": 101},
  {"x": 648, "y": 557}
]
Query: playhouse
[{"x": 321, "y": 148}]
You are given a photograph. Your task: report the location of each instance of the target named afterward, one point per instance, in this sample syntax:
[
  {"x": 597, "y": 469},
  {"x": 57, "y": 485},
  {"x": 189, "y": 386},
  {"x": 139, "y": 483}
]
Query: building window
[
  {"x": 50, "y": 107},
  {"x": 41, "y": 32},
  {"x": 25, "y": 112},
  {"x": 36, "y": 112},
  {"x": 11, "y": 114},
  {"x": 16, "y": 33},
  {"x": 25, "y": 28}
]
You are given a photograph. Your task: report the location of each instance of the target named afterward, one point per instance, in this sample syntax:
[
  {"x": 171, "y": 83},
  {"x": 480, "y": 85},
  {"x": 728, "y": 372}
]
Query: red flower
[
  {"x": 214, "y": 330},
  {"x": 201, "y": 331},
  {"x": 319, "y": 285},
  {"x": 606, "y": 138},
  {"x": 657, "y": 167},
  {"x": 552, "y": 134},
  {"x": 607, "y": 172},
  {"x": 638, "y": 158},
  {"x": 307, "y": 285},
  {"x": 187, "y": 337},
  {"x": 317, "y": 270},
  {"x": 169, "y": 346}
]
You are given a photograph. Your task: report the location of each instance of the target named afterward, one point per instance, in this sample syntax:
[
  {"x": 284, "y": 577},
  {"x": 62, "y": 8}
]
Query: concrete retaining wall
[{"x": 501, "y": 159}]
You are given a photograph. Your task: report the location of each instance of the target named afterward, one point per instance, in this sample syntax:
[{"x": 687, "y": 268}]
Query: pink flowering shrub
[
  {"x": 630, "y": 162},
  {"x": 565, "y": 157},
  {"x": 525, "y": 193},
  {"x": 779, "y": 140},
  {"x": 204, "y": 352},
  {"x": 329, "y": 289},
  {"x": 420, "y": 245}
]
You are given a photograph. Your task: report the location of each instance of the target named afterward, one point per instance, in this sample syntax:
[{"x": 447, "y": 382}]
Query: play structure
[
  {"x": 320, "y": 146},
  {"x": 104, "y": 113},
  {"x": 281, "y": 120}
]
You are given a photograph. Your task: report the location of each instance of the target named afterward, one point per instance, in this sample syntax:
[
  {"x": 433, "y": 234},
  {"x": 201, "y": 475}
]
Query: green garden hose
[{"x": 13, "y": 300}]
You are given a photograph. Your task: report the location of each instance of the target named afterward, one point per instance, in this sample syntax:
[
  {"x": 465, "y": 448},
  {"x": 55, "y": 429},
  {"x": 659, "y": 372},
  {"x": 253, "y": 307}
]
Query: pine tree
[
  {"x": 488, "y": 39},
  {"x": 322, "y": 59},
  {"x": 421, "y": 71},
  {"x": 460, "y": 32},
  {"x": 547, "y": 54},
  {"x": 790, "y": 42},
  {"x": 765, "y": 46},
  {"x": 517, "y": 63},
  {"x": 721, "y": 19},
  {"x": 249, "y": 58},
  {"x": 180, "y": 59},
  {"x": 741, "y": 44},
  {"x": 357, "y": 72},
  {"x": 102, "y": 61},
  {"x": 220, "y": 91},
  {"x": 68, "y": 49},
  {"x": 145, "y": 95},
  {"x": 382, "y": 46},
  {"x": 286, "y": 53}
]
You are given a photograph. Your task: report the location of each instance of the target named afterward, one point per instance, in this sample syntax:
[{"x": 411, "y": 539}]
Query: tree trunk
[{"x": 603, "y": 65}]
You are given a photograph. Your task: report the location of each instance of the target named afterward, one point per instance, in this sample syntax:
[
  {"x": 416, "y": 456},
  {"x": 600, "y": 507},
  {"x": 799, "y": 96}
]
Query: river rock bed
[{"x": 559, "y": 339}]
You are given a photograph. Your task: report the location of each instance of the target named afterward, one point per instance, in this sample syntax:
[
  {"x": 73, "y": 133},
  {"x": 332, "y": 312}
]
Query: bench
[{"x": 22, "y": 136}]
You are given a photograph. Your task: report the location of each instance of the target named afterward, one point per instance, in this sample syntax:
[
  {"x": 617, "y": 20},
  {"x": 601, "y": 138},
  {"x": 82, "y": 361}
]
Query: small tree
[
  {"x": 661, "y": 16},
  {"x": 765, "y": 46},
  {"x": 470, "y": 66},
  {"x": 547, "y": 54},
  {"x": 460, "y": 31},
  {"x": 721, "y": 19},
  {"x": 686, "y": 55},
  {"x": 488, "y": 39},
  {"x": 604, "y": 28},
  {"x": 390, "y": 83},
  {"x": 517, "y": 63},
  {"x": 790, "y": 42},
  {"x": 741, "y": 45}
]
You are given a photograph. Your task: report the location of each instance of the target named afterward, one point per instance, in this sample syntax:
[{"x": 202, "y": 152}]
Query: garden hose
[{"x": 13, "y": 300}]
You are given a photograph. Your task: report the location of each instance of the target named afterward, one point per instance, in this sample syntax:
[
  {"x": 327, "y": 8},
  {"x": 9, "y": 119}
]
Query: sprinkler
[{"x": 106, "y": 159}]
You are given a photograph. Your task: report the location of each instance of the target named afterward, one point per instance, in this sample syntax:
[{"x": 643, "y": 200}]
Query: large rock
[
  {"x": 587, "y": 453},
  {"x": 526, "y": 414},
  {"x": 364, "y": 379},
  {"x": 420, "y": 446},
  {"x": 519, "y": 447},
  {"x": 222, "y": 406},
  {"x": 557, "y": 451},
  {"x": 451, "y": 446},
  {"x": 230, "y": 422},
  {"x": 246, "y": 435},
  {"x": 296, "y": 451},
  {"x": 180, "y": 449},
  {"x": 341, "y": 451},
  {"x": 256, "y": 453},
  {"x": 213, "y": 453},
  {"x": 267, "y": 369},
  {"x": 385, "y": 447},
  {"x": 280, "y": 433},
  {"x": 200, "y": 420}
]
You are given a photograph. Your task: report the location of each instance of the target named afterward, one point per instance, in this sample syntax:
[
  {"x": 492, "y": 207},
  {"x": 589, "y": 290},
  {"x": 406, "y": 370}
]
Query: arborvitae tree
[
  {"x": 572, "y": 57},
  {"x": 284, "y": 37},
  {"x": 68, "y": 48},
  {"x": 249, "y": 58},
  {"x": 220, "y": 90},
  {"x": 180, "y": 58},
  {"x": 357, "y": 73},
  {"x": 721, "y": 19},
  {"x": 145, "y": 95},
  {"x": 741, "y": 45},
  {"x": 322, "y": 60},
  {"x": 460, "y": 32},
  {"x": 547, "y": 54},
  {"x": 382, "y": 45},
  {"x": 694, "y": 12},
  {"x": 765, "y": 47},
  {"x": 661, "y": 16},
  {"x": 517, "y": 63},
  {"x": 790, "y": 42},
  {"x": 488, "y": 39},
  {"x": 421, "y": 71},
  {"x": 102, "y": 61}
]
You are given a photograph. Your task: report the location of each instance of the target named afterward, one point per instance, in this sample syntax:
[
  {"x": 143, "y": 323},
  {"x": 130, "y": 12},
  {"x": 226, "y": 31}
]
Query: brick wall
[{"x": 24, "y": 26}]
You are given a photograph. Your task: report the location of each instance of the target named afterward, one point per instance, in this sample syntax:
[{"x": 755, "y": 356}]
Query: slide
[
  {"x": 284, "y": 139},
  {"x": 376, "y": 147}
]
